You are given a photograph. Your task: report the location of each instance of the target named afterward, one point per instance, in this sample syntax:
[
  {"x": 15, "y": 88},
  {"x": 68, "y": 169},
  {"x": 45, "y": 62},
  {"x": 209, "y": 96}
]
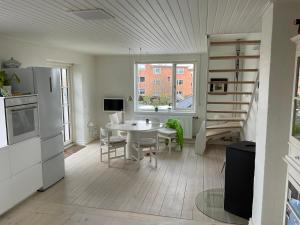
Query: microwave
[
  {"x": 19, "y": 119},
  {"x": 292, "y": 215}
]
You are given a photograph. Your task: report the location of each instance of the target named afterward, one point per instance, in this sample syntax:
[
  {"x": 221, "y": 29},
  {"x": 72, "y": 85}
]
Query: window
[
  {"x": 163, "y": 88},
  {"x": 156, "y": 71},
  {"x": 179, "y": 70},
  {"x": 66, "y": 105},
  {"x": 141, "y": 91},
  {"x": 142, "y": 79},
  {"x": 179, "y": 82}
]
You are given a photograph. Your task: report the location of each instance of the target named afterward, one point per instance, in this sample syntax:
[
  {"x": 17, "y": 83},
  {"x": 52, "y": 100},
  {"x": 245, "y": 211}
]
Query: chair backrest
[
  {"x": 155, "y": 120},
  {"x": 104, "y": 133},
  {"x": 116, "y": 118},
  {"x": 148, "y": 134}
]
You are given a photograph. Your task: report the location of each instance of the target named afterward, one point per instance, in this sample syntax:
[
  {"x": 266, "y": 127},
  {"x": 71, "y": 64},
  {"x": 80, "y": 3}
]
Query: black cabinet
[{"x": 239, "y": 175}]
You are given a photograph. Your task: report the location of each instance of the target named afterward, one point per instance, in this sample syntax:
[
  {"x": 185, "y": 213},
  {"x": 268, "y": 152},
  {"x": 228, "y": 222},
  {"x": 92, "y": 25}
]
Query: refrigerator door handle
[{"x": 50, "y": 84}]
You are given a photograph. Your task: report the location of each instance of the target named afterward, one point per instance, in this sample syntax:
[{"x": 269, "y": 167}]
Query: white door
[{"x": 66, "y": 104}]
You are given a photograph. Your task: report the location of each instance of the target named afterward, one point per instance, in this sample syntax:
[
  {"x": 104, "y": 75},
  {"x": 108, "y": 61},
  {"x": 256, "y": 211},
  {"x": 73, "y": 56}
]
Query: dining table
[{"x": 134, "y": 130}]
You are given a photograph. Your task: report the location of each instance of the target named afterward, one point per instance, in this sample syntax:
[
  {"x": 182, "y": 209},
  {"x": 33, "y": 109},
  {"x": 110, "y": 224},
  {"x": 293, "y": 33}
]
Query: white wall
[
  {"x": 273, "y": 118},
  {"x": 83, "y": 77},
  {"x": 115, "y": 78}
]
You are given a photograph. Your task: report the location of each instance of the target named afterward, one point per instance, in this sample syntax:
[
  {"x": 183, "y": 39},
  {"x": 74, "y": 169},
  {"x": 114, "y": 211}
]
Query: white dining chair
[
  {"x": 169, "y": 135},
  {"x": 117, "y": 118},
  {"x": 111, "y": 144},
  {"x": 146, "y": 140}
]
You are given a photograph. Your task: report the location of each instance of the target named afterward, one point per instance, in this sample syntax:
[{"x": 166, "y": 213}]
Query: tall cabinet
[{"x": 292, "y": 206}]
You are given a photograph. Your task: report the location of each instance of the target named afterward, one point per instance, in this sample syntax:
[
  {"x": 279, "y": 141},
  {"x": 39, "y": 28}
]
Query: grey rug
[{"x": 211, "y": 203}]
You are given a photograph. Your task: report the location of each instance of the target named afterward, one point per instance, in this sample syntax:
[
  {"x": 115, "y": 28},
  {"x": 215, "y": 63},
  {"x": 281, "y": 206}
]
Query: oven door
[{"x": 22, "y": 122}]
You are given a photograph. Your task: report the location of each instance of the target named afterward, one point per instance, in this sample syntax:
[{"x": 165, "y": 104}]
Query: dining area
[{"x": 132, "y": 140}]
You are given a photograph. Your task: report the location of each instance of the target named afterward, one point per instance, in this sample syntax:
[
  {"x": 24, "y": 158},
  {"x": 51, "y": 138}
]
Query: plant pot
[
  {"x": 156, "y": 109},
  {"x": 7, "y": 88}
]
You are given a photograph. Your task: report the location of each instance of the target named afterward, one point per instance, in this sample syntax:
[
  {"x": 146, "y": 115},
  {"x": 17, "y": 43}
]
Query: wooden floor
[{"x": 91, "y": 192}]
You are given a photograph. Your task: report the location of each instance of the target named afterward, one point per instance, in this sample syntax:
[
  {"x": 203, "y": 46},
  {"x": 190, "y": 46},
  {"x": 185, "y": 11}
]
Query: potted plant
[{"x": 5, "y": 81}]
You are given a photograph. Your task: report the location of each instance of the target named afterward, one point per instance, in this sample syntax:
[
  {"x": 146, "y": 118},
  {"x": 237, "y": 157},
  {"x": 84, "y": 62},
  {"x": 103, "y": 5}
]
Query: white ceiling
[{"x": 156, "y": 26}]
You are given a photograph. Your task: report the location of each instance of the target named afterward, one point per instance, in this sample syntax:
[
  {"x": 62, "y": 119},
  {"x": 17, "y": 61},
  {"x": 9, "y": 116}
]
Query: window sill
[{"x": 177, "y": 113}]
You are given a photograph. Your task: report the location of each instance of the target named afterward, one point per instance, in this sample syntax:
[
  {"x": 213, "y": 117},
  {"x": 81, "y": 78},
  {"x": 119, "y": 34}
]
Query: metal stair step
[
  {"x": 230, "y": 93},
  {"x": 227, "y": 111},
  {"x": 226, "y": 119},
  {"x": 225, "y": 126},
  {"x": 228, "y": 103}
]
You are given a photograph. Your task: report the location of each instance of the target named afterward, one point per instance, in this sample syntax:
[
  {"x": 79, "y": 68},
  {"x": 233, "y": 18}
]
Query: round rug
[{"x": 211, "y": 203}]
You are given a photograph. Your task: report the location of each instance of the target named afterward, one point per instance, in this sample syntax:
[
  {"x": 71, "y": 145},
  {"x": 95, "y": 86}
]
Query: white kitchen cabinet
[
  {"x": 5, "y": 171},
  {"x": 26, "y": 183},
  {"x": 20, "y": 172},
  {"x": 6, "y": 201},
  {"x": 25, "y": 154}
]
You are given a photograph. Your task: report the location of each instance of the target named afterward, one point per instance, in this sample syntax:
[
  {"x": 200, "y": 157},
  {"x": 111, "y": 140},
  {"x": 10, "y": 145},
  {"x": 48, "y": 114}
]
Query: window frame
[{"x": 174, "y": 109}]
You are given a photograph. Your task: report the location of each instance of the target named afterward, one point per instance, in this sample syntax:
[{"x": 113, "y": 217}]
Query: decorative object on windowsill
[
  {"x": 156, "y": 109},
  {"x": 297, "y": 22},
  {"x": 218, "y": 85},
  {"x": 176, "y": 125},
  {"x": 147, "y": 120},
  {"x": 11, "y": 63},
  {"x": 5, "y": 82},
  {"x": 170, "y": 107},
  {"x": 129, "y": 98}
]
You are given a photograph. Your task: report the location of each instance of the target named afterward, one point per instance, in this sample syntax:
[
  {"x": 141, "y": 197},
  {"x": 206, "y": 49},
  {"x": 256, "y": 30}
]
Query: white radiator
[{"x": 186, "y": 122}]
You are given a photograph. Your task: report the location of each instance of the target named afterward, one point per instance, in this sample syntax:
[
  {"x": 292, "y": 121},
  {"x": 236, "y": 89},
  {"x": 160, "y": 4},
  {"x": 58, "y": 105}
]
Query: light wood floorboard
[{"x": 123, "y": 194}]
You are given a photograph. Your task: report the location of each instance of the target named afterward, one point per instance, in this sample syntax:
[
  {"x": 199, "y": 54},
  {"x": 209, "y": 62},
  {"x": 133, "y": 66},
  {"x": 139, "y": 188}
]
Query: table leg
[{"x": 132, "y": 138}]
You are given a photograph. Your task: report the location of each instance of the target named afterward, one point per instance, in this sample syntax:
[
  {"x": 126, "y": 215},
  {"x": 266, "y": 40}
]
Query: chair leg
[
  {"x": 157, "y": 143},
  {"x": 150, "y": 151},
  {"x": 138, "y": 157},
  {"x": 170, "y": 144},
  {"x": 124, "y": 154},
  {"x": 108, "y": 157},
  {"x": 101, "y": 154},
  {"x": 156, "y": 155}
]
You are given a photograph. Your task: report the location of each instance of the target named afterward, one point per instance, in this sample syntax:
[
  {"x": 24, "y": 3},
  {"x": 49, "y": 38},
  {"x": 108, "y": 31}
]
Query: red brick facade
[{"x": 156, "y": 80}]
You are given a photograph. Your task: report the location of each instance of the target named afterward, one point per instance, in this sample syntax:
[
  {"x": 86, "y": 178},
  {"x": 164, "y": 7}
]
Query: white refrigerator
[{"x": 46, "y": 83}]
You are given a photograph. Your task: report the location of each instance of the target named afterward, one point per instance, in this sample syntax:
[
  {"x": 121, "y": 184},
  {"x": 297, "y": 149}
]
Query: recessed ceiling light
[{"x": 93, "y": 14}]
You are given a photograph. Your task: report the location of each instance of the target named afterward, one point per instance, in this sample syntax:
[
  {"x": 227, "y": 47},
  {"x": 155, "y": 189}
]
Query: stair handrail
[{"x": 252, "y": 99}]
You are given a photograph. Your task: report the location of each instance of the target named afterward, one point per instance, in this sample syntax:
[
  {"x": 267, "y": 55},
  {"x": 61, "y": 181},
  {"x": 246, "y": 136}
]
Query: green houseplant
[
  {"x": 176, "y": 125},
  {"x": 6, "y": 81}
]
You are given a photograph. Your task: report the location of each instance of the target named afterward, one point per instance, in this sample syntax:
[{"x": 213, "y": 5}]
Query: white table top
[{"x": 135, "y": 125}]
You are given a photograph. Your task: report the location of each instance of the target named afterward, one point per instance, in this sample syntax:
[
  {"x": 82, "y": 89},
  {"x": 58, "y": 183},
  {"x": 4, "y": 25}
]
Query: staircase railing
[{"x": 252, "y": 99}]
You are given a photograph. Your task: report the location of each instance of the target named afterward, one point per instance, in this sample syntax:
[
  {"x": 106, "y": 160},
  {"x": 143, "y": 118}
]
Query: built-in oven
[
  {"x": 22, "y": 120},
  {"x": 292, "y": 216}
]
